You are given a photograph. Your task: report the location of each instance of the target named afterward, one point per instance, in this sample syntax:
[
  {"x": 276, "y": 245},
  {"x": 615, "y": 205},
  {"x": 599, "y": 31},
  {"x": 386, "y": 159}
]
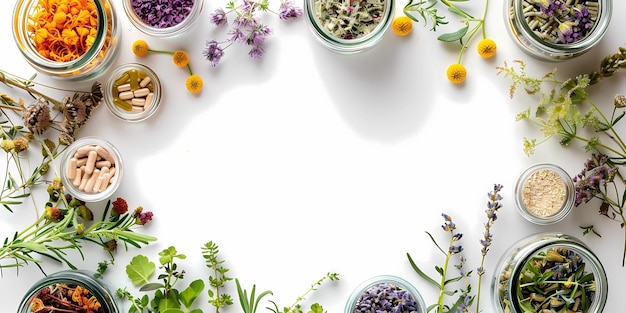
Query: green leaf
[
  {"x": 151, "y": 286},
  {"x": 189, "y": 295},
  {"x": 140, "y": 269},
  {"x": 457, "y": 35},
  {"x": 168, "y": 255},
  {"x": 316, "y": 308},
  {"x": 421, "y": 273}
]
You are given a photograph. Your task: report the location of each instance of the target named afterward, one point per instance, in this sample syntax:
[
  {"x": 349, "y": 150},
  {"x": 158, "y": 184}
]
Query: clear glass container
[
  {"x": 318, "y": 17},
  {"x": 90, "y": 62},
  {"x": 189, "y": 11},
  {"x": 384, "y": 286},
  {"x": 555, "y": 38},
  {"x": 544, "y": 194},
  {"x": 96, "y": 290},
  {"x": 136, "y": 101},
  {"x": 513, "y": 280},
  {"x": 89, "y": 176}
]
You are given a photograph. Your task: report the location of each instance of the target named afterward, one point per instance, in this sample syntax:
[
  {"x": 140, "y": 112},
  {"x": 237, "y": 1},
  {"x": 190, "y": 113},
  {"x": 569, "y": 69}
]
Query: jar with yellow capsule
[{"x": 132, "y": 92}]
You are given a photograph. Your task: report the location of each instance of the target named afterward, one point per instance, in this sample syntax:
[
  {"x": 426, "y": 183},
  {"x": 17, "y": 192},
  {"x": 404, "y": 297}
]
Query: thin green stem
[{"x": 443, "y": 279}]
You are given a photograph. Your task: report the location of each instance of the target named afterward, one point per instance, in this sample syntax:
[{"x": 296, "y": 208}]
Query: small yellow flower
[
  {"x": 402, "y": 25},
  {"x": 486, "y": 48},
  {"x": 140, "y": 48},
  {"x": 456, "y": 73},
  {"x": 7, "y": 145},
  {"x": 194, "y": 83},
  {"x": 180, "y": 58}
]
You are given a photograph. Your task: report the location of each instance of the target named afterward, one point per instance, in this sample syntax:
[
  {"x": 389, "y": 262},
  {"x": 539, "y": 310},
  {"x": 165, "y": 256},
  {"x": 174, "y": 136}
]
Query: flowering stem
[
  {"x": 443, "y": 278},
  {"x": 25, "y": 85}
]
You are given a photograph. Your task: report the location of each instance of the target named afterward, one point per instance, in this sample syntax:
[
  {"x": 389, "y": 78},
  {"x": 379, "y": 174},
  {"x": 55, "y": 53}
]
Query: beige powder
[{"x": 543, "y": 193}]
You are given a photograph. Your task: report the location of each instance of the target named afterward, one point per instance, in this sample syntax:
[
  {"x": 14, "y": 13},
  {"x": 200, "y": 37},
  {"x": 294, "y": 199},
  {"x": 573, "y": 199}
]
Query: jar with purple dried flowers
[
  {"x": 163, "y": 18},
  {"x": 556, "y": 30},
  {"x": 385, "y": 293}
]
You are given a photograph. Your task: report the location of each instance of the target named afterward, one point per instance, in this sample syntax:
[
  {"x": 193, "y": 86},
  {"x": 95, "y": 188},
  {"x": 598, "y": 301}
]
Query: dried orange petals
[{"x": 63, "y": 30}]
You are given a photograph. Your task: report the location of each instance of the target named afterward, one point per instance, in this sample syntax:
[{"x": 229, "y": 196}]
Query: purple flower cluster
[
  {"x": 246, "y": 28},
  {"x": 554, "y": 7},
  {"x": 386, "y": 297},
  {"x": 573, "y": 23},
  {"x": 162, "y": 13},
  {"x": 593, "y": 179},
  {"x": 450, "y": 227}
]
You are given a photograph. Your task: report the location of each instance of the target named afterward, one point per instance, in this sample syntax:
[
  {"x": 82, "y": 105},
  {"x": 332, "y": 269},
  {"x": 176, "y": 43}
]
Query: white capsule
[
  {"x": 141, "y": 93},
  {"x": 149, "y": 99},
  {"x": 91, "y": 161},
  {"x": 71, "y": 169},
  {"x": 145, "y": 81},
  {"x": 124, "y": 87},
  {"x": 126, "y": 95}
]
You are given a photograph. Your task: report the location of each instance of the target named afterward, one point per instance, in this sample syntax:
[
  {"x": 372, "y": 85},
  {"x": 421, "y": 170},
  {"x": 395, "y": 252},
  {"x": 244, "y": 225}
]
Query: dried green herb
[{"x": 554, "y": 279}]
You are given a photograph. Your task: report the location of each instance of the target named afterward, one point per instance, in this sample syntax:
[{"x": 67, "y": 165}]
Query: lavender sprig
[
  {"x": 465, "y": 299},
  {"x": 493, "y": 205}
]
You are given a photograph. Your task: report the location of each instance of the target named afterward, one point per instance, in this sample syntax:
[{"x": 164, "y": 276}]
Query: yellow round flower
[
  {"x": 402, "y": 25},
  {"x": 486, "y": 48},
  {"x": 456, "y": 73},
  {"x": 180, "y": 58},
  {"x": 194, "y": 83},
  {"x": 140, "y": 48}
]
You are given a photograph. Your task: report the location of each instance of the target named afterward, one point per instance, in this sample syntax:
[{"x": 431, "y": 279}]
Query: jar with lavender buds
[
  {"x": 163, "y": 19},
  {"x": 557, "y": 30},
  {"x": 549, "y": 272},
  {"x": 385, "y": 293}
]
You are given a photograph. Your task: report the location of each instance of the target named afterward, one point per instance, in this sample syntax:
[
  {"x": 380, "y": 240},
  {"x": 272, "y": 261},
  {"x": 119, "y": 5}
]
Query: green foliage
[
  {"x": 219, "y": 278},
  {"x": 250, "y": 303},
  {"x": 166, "y": 298},
  {"x": 140, "y": 269}
]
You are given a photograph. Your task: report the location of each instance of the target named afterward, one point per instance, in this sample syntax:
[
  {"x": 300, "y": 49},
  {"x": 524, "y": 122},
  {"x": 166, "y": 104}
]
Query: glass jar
[
  {"x": 136, "y": 101},
  {"x": 91, "y": 169},
  {"x": 141, "y": 15},
  {"x": 544, "y": 194},
  {"x": 371, "y": 31},
  {"x": 578, "y": 281},
  {"x": 560, "y": 31},
  {"x": 385, "y": 286},
  {"x": 60, "y": 283},
  {"x": 48, "y": 57}
]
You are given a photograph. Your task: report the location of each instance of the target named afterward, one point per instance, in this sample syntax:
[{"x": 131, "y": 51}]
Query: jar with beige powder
[{"x": 544, "y": 194}]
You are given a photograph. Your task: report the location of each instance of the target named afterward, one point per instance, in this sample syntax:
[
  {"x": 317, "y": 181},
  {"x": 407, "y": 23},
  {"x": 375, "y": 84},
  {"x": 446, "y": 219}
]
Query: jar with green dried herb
[
  {"x": 349, "y": 26},
  {"x": 549, "y": 272},
  {"x": 556, "y": 30}
]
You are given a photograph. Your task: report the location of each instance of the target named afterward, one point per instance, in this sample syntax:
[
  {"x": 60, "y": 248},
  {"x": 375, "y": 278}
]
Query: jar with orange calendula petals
[{"x": 72, "y": 40}]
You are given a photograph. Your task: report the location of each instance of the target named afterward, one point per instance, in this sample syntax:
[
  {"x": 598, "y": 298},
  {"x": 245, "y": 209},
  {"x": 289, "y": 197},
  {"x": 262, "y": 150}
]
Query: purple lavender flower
[
  {"x": 256, "y": 52},
  {"x": 218, "y": 17},
  {"x": 289, "y": 11},
  {"x": 593, "y": 179},
  {"x": 213, "y": 52}
]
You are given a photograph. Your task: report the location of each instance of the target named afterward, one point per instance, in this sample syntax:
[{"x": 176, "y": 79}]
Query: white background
[{"x": 306, "y": 162}]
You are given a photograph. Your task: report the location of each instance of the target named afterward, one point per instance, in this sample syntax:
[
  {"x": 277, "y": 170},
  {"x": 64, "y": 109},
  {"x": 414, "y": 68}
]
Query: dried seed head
[
  {"x": 36, "y": 117},
  {"x": 20, "y": 144},
  {"x": 620, "y": 101}
]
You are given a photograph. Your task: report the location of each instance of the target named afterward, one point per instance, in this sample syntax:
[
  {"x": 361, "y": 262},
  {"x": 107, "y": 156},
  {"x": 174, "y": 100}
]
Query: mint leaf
[{"x": 189, "y": 295}]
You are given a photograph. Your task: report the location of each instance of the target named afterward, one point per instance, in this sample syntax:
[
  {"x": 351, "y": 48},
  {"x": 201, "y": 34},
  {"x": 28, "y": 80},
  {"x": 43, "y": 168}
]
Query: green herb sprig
[
  {"x": 218, "y": 280},
  {"x": 60, "y": 230},
  {"x": 565, "y": 110},
  {"x": 167, "y": 298},
  {"x": 447, "y": 284}
]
